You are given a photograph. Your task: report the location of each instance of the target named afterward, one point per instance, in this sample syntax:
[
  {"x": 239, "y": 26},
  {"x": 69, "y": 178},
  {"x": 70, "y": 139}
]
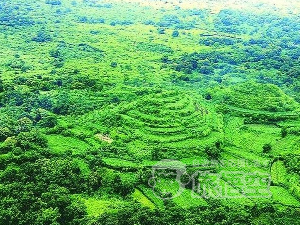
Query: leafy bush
[
  {"x": 53, "y": 2},
  {"x": 175, "y": 33},
  {"x": 31, "y": 140},
  {"x": 45, "y": 119},
  {"x": 213, "y": 152},
  {"x": 91, "y": 20},
  {"x": 169, "y": 21},
  {"x": 267, "y": 148},
  {"x": 161, "y": 31},
  {"x": 5, "y": 132},
  {"x": 284, "y": 132},
  {"x": 292, "y": 162},
  {"x": 114, "y": 64},
  {"x": 1, "y": 86},
  {"x": 42, "y": 36}
]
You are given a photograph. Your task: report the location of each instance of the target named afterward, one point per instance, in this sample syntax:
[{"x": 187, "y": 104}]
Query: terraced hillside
[
  {"x": 258, "y": 101},
  {"x": 177, "y": 123}
]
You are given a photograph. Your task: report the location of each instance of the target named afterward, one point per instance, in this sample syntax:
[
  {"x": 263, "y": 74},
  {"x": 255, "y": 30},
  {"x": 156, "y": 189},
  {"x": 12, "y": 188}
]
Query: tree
[
  {"x": 213, "y": 152},
  {"x": 169, "y": 20},
  {"x": 63, "y": 103},
  {"x": 94, "y": 181},
  {"x": 48, "y": 216},
  {"x": 156, "y": 153},
  {"x": 284, "y": 132},
  {"x": 161, "y": 31},
  {"x": 4, "y": 133},
  {"x": 24, "y": 125},
  {"x": 45, "y": 119},
  {"x": 31, "y": 140},
  {"x": 114, "y": 64},
  {"x": 267, "y": 148},
  {"x": 175, "y": 33},
  {"x": 53, "y": 2},
  {"x": 122, "y": 187},
  {"x": 1, "y": 86},
  {"x": 42, "y": 36}
]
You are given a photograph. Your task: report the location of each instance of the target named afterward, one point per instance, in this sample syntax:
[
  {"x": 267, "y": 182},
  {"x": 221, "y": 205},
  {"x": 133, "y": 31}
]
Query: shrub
[
  {"x": 4, "y": 133},
  {"x": 168, "y": 21},
  {"x": 284, "y": 132},
  {"x": 175, "y": 33},
  {"x": 53, "y": 2},
  {"x": 42, "y": 36},
  {"x": 1, "y": 86},
  {"x": 46, "y": 119},
  {"x": 30, "y": 140},
  {"x": 114, "y": 64},
  {"x": 267, "y": 148},
  {"x": 213, "y": 152},
  {"x": 161, "y": 31}
]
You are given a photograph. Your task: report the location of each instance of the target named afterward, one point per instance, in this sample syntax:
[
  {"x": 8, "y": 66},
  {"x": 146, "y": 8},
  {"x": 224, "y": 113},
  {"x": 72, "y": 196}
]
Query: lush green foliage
[{"x": 93, "y": 94}]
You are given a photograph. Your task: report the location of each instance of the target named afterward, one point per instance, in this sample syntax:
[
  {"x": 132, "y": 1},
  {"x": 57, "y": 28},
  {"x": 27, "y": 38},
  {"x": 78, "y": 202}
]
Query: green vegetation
[{"x": 94, "y": 94}]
